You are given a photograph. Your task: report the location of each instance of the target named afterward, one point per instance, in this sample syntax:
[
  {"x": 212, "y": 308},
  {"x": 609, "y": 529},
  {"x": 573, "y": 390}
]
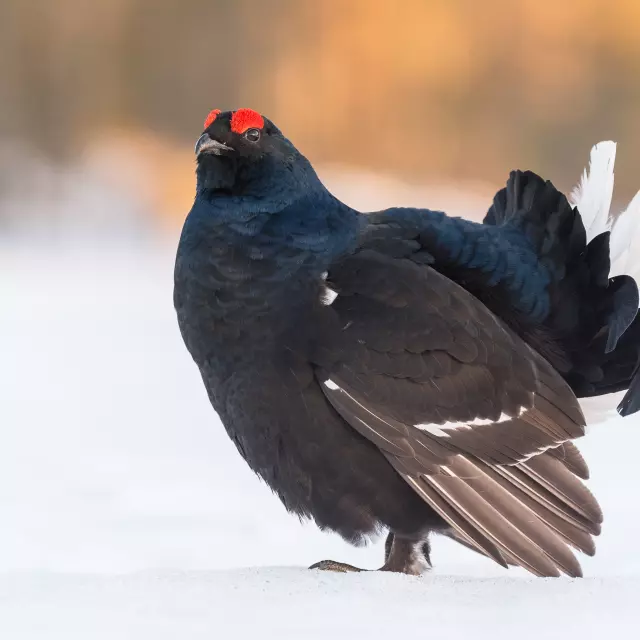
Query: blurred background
[
  {"x": 101, "y": 102},
  {"x": 111, "y": 455}
]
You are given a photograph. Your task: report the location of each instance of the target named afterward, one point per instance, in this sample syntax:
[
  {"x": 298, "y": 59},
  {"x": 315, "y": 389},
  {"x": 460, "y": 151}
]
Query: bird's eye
[{"x": 252, "y": 135}]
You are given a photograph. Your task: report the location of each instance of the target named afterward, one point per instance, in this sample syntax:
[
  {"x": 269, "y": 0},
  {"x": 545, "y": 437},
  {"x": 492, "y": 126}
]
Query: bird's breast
[{"x": 234, "y": 304}]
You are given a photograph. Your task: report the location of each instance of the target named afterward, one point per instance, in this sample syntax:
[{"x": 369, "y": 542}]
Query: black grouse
[{"x": 402, "y": 370}]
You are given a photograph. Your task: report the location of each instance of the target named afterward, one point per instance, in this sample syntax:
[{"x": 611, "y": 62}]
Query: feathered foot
[
  {"x": 406, "y": 555},
  {"x": 402, "y": 555}
]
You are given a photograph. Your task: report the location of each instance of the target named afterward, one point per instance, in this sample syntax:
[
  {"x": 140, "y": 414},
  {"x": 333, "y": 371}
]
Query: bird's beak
[{"x": 206, "y": 144}]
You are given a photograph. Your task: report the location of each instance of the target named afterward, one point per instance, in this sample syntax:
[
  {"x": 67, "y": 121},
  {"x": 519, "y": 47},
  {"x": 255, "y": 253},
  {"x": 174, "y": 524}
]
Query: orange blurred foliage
[{"x": 427, "y": 89}]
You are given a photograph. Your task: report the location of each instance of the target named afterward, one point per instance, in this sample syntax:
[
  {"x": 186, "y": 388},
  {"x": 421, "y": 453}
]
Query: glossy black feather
[
  {"x": 429, "y": 394},
  {"x": 530, "y": 264}
]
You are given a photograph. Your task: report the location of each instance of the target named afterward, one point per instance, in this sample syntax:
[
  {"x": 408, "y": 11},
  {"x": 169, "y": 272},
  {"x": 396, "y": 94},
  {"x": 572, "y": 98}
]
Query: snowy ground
[{"x": 126, "y": 513}]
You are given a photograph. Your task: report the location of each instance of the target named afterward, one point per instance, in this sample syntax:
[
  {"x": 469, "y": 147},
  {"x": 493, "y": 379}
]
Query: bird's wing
[
  {"x": 530, "y": 263},
  {"x": 472, "y": 418},
  {"x": 486, "y": 258}
]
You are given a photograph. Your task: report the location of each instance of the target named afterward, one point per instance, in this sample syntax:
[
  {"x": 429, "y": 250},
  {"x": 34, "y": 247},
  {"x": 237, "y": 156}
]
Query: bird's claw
[{"x": 338, "y": 567}]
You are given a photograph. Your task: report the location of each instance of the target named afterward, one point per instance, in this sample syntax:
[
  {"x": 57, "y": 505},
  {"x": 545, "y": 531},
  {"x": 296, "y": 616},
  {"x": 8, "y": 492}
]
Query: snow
[
  {"x": 295, "y": 603},
  {"x": 127, "y": 513}
]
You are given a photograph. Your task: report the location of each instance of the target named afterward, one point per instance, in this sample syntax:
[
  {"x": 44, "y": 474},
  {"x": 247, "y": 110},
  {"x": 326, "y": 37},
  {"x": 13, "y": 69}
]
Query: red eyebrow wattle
[
  {"x": 244, "y": 119},
  {"x": 211, "y": 117}
]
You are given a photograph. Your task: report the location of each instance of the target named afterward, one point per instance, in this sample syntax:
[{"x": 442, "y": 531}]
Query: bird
[{"x": 401, "y": 370}]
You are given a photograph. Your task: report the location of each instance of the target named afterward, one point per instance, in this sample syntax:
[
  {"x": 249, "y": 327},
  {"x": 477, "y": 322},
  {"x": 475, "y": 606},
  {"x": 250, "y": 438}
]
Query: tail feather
[
  {"x": 621, "y": 367},
  {"x": 624, "y": 301},
  {"x": 625, "y": 234},
  {"x": 631, "y": 401},
  {"x": 588, "y": 312},
  {"x": 593, "y": 194}
]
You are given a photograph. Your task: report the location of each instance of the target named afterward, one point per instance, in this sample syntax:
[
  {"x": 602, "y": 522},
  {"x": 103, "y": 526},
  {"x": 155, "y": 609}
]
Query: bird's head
[
  {"x": 252, "y": 181},
  {"x": 242, "y": 154}
]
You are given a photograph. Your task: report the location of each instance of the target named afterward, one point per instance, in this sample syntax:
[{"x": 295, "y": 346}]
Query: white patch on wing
[
  {"x": 328, "y": 296},
  {"x": 541, "y": 450},
  {"x": 368, "y": 426},
  {"x": 330, "y": 384},
  {"x": 433, "y": 429},
  {"x": 441, "y": 429}
]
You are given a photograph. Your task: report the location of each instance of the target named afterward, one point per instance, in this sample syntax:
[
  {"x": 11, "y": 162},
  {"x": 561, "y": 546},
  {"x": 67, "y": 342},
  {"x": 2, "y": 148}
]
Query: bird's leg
[
  {"x": 406, "y": 555},
  {"x": 401, "y": 555}
]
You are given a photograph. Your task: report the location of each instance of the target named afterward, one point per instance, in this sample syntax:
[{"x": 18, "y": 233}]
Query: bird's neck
[{"x": 258, "y": 270}]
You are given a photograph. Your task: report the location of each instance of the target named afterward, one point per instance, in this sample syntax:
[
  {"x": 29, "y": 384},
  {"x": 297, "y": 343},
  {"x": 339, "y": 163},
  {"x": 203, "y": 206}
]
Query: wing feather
[
  {"x": 569, "y": 455},
  {"x": 475, "y": 421},
  {"x": 492, "y": 523},
  {"x": 456, "y": 518}
]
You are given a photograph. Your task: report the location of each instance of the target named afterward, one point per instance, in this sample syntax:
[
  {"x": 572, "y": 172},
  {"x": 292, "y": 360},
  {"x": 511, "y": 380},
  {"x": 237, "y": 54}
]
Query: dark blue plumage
[
  {"x": 402, "y": 369},
  {"x": 504, "y": 255}
]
